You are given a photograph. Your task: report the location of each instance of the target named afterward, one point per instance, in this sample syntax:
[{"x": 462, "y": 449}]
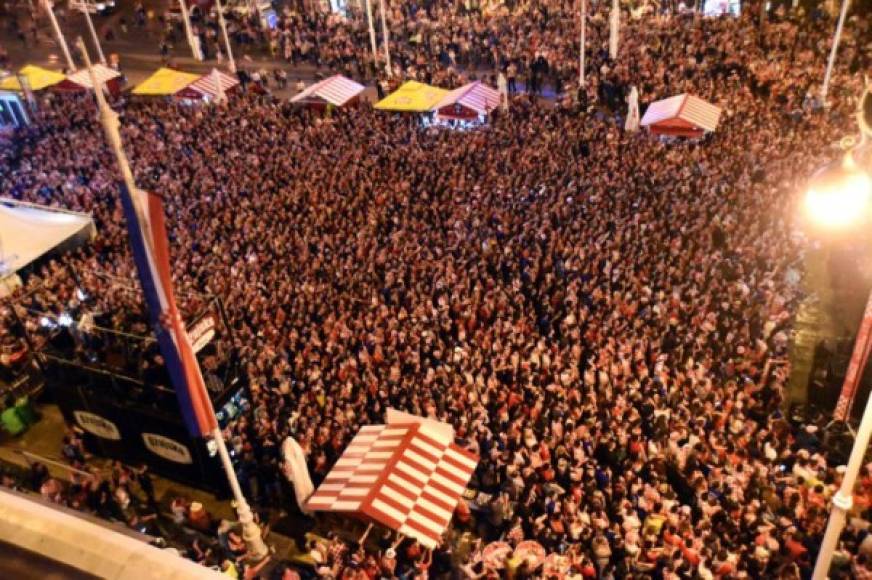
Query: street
[{"x": 29, "y": 41}]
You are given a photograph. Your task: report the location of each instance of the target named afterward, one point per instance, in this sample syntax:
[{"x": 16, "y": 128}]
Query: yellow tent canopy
[
  {"x": 39, "y": 78},
  {"x": 165, "y": 82},
  {"x": 412, "y": 97}
]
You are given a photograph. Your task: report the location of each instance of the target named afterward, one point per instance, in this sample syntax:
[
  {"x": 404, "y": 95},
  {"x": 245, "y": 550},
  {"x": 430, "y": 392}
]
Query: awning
[
  {"x": 81, "y": 79},
  {"x": 336, "y": 90},
  {"x": 407, "y": 477},
  {"x": 39, "y": 78},
  {"x": 209, "y": 86},
  {"x": 470, "y": 100},
  {"x": 682, "y": 115},
  {"x": 412, "y": 97},
  {"x": 28, "y": 232},
  {"x": 164, "y": 82}
]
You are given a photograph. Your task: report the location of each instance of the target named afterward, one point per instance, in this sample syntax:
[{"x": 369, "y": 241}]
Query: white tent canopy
[
  {"x": 28, "y": 232},
  {"x": 104, "y": 74}
]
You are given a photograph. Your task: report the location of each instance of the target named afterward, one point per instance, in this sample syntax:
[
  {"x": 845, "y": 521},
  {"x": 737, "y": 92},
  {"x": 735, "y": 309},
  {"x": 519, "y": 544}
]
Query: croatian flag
[{"x": 148, "y": 238}]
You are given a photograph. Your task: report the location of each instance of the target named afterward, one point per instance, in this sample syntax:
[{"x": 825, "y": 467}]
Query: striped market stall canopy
[
  {"x": 210, "y": 86},
  {"x": 336, "y": 90},
  {"x": 682, "y": 115},
  {"x": 407, "y": 477},
  {"x": 469, "y": 101}
]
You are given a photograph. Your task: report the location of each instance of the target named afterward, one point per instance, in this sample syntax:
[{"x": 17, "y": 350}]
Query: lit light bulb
[{"x": 840, "y": 203}]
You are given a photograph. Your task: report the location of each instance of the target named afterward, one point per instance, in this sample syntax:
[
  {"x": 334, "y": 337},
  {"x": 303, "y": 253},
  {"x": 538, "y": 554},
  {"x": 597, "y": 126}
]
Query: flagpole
[
  {"x": 583, "y": 45},
  {"x": 231, "y": 62},
  {"x": 60, "y": 36},
  {"x": 109, "y": 119},
  {"x": 384, "y": 23},
  {"x": 372, "y": 41}
]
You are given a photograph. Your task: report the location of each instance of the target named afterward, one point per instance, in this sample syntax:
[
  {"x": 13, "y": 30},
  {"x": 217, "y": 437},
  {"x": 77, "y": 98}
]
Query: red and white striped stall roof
[
  {"x": 475, "y": 96},
  {"x": 407, "y": 477},
  {"x": 103, "y": 73},
  {"x": 682, "y": 114},
  {"x": 208, "y": 85},
  {"x": 336, "y": 90}
]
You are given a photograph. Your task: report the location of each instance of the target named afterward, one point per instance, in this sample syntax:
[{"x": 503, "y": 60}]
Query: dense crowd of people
[
  {"x": 535, "y": 44},
  {"x": 603, "y": 316}
]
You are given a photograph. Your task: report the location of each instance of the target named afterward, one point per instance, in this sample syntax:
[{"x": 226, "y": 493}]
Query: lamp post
[
  {"x": 384, "y": 23},
  {"x": 614, "y": 29},
  {"x": 49, "y": 8},
  {"x": 86, "y": 8},
  {"x": 582, "y": 44},
  {"x": 372, "y": 42},
  {"x": 230, "y": 62},
  {"x": 840, "y": 195},
  {"x": 833, "y": 50},
  {"x": 189, "y": 33}
]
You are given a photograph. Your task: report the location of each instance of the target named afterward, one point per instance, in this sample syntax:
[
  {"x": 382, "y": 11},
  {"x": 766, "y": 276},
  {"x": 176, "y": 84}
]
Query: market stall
[
  {"x": 37, "y": 77},
  {"x": 469, "y": 102},
  {"x": 681, "y": 116},
  {"x": 336, "y": 90},
  {"x": 213, "y": 86},
  {"x": 81, "y": 80},
  {"x": 165, "y": 82},
  {"x": 412, "y": 97},
  {"x": 405, "y": 476}
]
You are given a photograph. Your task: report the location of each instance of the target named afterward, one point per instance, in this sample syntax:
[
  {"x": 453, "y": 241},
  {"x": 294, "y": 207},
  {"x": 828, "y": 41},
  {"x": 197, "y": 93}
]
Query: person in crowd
[{"x": 602, "y": 316}]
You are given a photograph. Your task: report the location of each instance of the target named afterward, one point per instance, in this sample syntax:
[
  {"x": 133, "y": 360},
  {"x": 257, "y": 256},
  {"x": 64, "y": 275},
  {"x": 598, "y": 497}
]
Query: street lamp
[
  {"x": 839, "y": 194},
  {"x": 838, "y": 197},
  {"x": 87, "y": 7}
]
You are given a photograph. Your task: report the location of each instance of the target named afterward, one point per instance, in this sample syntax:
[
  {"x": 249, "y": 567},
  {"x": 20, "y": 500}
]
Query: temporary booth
[
  {"x": 407, "y": 476},
  {"x": 37, "y": 77},
  {"x": 681, "y": 116},
  {"x": 336, "y": 90},
  {"x": 471, "y": 101},
  {"x": 412, "y": 97},
  {"x": 165, "y": 82},
  {"x": 210, "y": 86},
  {"x": 27, "y": 232},
  {"x": 81, "y": 80}
]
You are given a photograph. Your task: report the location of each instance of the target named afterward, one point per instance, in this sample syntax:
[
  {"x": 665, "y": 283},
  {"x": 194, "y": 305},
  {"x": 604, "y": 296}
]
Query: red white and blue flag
[{"x": 148, "y": 237}]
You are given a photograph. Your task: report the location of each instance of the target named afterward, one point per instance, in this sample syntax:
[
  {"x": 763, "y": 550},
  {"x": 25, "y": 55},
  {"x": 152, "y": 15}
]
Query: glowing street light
[{"x": 839, "y": 195}]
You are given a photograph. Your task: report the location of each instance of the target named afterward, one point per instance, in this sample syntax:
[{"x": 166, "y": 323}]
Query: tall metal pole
[
  {"x": 250, "y": 531},
  {"x": 232, "y": 63},
  {"x": 844, "y": 500},
  {"x": 372, "y": 41},
  {"x": 60, "y": 36},
  {"x": 94, "y": 36},
  {"x": 583, "y": 44},
  {"x": 831, "y": 61},
  {"x": 189, "y": 33},
  {"x": 614, "y": 29},
  {"x": 384, "y": 23}
]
